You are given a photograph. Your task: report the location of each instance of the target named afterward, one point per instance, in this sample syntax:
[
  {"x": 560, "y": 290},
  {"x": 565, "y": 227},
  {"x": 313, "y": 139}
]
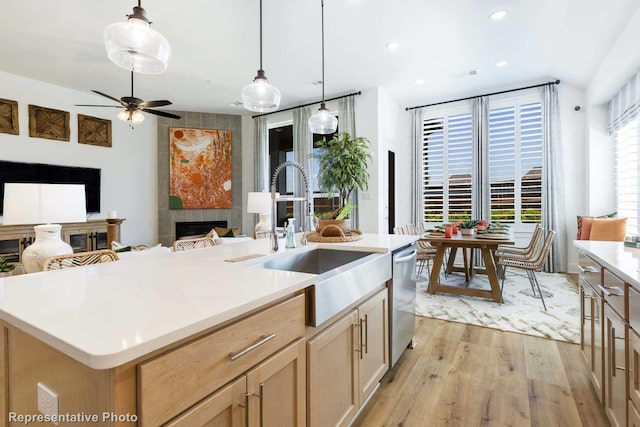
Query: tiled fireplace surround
[{"x": 168, "y": 217}]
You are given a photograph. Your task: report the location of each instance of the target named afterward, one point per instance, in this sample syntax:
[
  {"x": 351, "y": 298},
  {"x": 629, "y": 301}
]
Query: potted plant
[
  {"x": 343, "y": 168},
  {"x": 6, "y": 268}
]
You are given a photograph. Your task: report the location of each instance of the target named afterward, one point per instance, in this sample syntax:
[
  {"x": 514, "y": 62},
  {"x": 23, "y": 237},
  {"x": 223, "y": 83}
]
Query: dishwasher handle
[{"x": 402, "y": 258}]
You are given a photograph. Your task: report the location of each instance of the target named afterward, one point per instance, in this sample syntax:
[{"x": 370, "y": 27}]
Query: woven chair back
[{"x": 79, "y": 259}]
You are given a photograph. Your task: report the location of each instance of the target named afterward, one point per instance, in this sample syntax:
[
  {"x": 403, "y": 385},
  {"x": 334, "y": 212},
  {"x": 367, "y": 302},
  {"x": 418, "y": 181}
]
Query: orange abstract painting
[{"x": 200, "y": 170}]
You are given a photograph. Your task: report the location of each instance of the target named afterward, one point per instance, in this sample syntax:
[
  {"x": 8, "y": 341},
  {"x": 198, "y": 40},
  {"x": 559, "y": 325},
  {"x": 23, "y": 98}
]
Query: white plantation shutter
[
  {"x": 514, "y": 186},
  {"x": 626, "y": 174},
  {"x": 447, "y": 168},
  {"x": 515, "y": 163}
]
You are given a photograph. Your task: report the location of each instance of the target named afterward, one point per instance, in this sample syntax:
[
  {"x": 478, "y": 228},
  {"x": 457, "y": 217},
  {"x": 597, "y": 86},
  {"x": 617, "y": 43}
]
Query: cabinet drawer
[
  {"x": 590, "y": 271},
  {"x": 173, "y": 382},
  {"x": 613, "y": 290},
  {"x": 634, "y": 308}
]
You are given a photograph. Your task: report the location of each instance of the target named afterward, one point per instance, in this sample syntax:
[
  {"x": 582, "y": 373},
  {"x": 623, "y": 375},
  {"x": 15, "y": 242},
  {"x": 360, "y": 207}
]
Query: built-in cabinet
[
  {"x": 82, "y": 236},
  {"x": 346, "y": 362},
  {"x": 610, "y": 340}
]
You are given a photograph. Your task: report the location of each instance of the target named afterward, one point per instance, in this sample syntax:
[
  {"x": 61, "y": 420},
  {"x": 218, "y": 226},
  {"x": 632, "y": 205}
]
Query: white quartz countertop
[
  {"x": 108, "y": 314},
  {"x": 623, "y": 261}
]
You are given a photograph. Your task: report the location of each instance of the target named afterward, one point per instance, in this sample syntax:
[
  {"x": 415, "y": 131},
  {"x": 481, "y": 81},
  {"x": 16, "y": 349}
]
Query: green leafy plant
[
  {"x": 343, "y": 168},
  {"x": 5, "y": 266}
]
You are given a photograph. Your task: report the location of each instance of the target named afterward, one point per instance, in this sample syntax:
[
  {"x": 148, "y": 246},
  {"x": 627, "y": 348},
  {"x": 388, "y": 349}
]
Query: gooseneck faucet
[{"x": 307, "y": 198}]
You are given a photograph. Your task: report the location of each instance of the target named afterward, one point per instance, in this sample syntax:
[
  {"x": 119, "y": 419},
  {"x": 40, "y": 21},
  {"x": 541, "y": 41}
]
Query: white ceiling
[{"x": 215, "y": 46}]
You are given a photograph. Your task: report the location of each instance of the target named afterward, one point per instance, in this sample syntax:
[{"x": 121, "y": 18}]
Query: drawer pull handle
[
  {"x": 263, "y": 339},
  {"x": 588, "y": 268},
  {"x": 611, "y": 291}
]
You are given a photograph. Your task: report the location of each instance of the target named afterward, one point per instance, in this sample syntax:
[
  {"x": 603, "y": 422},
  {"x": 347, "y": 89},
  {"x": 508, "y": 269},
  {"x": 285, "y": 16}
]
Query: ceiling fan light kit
[
  {"x": 260, "y": 96},
  {"x": 135, "y": 46},
  {"x": 323, "y": 122}
]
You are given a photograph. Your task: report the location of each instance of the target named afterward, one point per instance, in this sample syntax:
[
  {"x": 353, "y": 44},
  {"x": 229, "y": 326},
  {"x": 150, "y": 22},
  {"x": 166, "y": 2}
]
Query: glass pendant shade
[
  {"x": 323, "y": 122},
  {"x": 134, "y": 116},
  {"x": 135, "y": 46},
  {"x": 260, "y": 96}
]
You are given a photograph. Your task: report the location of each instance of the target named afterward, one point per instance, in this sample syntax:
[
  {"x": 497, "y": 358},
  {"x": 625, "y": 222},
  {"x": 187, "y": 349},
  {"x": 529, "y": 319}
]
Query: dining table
[{"x": 486, "y": 243}]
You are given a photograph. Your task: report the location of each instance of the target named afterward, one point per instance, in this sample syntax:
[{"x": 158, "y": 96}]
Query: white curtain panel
[
  {"x": 480, "y": 192},
  {"x": 417, "y": 180},
  {"x": 625, "y": 106},
  {"x": 261, "y": 154},
  {"x": 302, "y": 149},
  {"x": 553, "y": 212},
  {"x": 347, "y": 123}
]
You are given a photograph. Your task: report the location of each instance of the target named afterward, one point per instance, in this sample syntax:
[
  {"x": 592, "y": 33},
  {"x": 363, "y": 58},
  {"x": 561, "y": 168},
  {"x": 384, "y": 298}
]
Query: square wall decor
[
  {"x": 48, "y": 123},
  {"x": 200, "y": 168},
  {"x": 94, "y": 131},
  {"x": 9, "y": 117}
]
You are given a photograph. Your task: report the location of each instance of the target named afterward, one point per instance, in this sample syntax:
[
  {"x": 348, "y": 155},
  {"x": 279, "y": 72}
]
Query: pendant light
[
  {"x": 260, "y": 96},
  {"x": 323, "y": 122},
  {"x": 135, "y": 46}
]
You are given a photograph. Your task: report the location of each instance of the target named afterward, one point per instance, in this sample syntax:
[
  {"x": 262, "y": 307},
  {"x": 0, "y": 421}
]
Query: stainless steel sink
[{"x": 344, "y": 277}]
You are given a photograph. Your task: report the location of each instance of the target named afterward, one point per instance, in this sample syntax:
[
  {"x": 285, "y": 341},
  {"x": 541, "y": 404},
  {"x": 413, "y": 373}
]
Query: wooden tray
[{"x": 349, "y": 237}]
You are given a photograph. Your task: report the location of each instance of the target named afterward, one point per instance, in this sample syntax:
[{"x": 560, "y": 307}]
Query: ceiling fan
[{"x": 133, "y": 107}]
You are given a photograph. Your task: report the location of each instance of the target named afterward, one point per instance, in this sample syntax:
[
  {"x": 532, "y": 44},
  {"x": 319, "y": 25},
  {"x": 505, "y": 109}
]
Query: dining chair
[
  {"x": 59, "y": 262},
  {"x": 188, "y": 244},
  {"x": 425, "y": 252},
  {"x": 522, "y": 252},
  {"x": 530, "y": 264}
]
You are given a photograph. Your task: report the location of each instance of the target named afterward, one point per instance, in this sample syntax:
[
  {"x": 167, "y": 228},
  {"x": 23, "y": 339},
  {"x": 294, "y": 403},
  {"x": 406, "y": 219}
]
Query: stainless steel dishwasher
[{"x": 402, "y": 294}]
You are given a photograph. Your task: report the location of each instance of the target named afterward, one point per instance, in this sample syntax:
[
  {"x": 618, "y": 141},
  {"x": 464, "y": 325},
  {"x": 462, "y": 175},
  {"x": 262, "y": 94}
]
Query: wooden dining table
[{"x": 487, "y": 246}]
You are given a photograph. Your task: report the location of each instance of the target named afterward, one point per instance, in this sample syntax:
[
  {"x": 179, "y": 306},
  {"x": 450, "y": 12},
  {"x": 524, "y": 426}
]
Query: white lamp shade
[
  {"x": 258, "y": 202},
  {"x": 135, "y": 46},
  {"x": 43, "y": 203},
  {"x": 260, "y": 96},
  {"x": 323, "y": 122}
]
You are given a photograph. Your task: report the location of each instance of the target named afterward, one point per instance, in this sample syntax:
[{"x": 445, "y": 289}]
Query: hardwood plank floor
[{"x": 464, "y": 375}]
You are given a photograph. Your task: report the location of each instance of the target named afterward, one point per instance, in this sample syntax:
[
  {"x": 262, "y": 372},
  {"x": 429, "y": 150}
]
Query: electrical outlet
[{"x": 47, "y": 401}]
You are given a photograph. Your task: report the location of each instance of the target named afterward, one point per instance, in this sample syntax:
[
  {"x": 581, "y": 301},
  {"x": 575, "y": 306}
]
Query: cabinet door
[
  {"x": 634, "y": 417},
  {"x": 615, "y": 395},
  {"x": 634, "y": 368},
  {"x": 597, "y": 373},
  {"x": 80, "y": 240},
  {"x": 332, "y": 389},
  {"x": 277, "y": 389},
  {"x": 586, "y": 323},
  {"x": 224, "y": 408},
  {"x": 374, "y": 346}
]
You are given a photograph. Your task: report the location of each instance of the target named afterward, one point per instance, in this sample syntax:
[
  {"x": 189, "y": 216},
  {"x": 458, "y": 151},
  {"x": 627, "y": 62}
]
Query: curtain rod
[
  {"x": 307, "y": 104},
  {"x": 486, "y": 94}
]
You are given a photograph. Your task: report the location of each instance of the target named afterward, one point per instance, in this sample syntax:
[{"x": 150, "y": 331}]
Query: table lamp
[
  {"x": 260, "y": 203},
  {"x": 43, "y": 203}
]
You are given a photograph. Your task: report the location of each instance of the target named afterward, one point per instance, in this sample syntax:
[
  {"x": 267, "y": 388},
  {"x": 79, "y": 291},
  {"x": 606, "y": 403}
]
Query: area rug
[{"x": 521, "y": 312}]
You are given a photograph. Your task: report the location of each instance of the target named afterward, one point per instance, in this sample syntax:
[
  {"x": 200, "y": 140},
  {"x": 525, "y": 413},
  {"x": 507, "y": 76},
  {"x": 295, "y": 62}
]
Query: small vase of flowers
[{"x": 468, "y": 228}]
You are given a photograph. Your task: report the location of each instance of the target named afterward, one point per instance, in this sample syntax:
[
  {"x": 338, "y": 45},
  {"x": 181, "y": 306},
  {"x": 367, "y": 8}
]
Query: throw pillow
[
  {"x": 227, "y": 232},
  {"x": 212, "y": 234},
  {"x": 583, "y": 233},
  {"x": 609, "y": 229}
]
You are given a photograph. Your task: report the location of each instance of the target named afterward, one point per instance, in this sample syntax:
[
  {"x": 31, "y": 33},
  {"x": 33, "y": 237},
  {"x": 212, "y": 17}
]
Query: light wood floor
[{"x": 463, "y": 375}]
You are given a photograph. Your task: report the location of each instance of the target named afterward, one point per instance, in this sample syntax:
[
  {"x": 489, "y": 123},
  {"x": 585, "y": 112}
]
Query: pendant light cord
[
  {"x": 322, "y": 31},
  {"x": 132, "y": 83},
  {"x": 261, "y": 34}
]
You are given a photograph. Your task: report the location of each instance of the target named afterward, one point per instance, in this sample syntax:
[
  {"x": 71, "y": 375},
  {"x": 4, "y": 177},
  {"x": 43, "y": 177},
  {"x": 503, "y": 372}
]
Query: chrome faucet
[{"x": 307, "y": 198}]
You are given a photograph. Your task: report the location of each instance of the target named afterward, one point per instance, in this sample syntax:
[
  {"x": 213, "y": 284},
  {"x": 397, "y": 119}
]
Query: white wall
[{"x": 128, "y": 169}]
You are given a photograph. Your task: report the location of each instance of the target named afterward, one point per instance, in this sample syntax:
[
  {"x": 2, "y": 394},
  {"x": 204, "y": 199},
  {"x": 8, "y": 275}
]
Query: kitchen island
[{"x": 99, "y": 336}]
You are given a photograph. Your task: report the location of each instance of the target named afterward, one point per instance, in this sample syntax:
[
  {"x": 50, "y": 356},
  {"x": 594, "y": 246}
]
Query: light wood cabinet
[
  {"x": 271, "y": 394},
  {"x": 615, "y": 366},
  {"x": 248, "y": 372},
  {"x": 82, "y": 236},
  {"x": 346, "y": 361}
]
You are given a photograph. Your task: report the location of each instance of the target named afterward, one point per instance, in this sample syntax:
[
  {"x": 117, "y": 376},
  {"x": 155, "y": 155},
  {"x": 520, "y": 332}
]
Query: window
[
  {"x": 514, "y": 162},
  {"x": 626, "y": 174}
]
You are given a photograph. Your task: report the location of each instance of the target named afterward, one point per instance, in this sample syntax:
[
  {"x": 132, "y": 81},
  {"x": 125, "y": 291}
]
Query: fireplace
[{"x": 195, "y": 228}]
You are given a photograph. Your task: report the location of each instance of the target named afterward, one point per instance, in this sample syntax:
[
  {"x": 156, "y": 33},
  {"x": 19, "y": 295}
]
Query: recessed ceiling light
[
  {"x": 419, "y": 82},
  {"x": 501, "y": 64},
  {"x": 498, "y": 15},
  {"x": 392, "y": 45}
]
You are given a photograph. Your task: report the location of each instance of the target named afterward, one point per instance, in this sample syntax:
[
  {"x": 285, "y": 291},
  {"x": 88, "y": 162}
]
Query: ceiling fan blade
[
  {"x": 160, "y": 103},
  {"x": 91, "y": 105},
  {"x": 161, "y": 113},
  {"x": 108, "y": 96}
]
